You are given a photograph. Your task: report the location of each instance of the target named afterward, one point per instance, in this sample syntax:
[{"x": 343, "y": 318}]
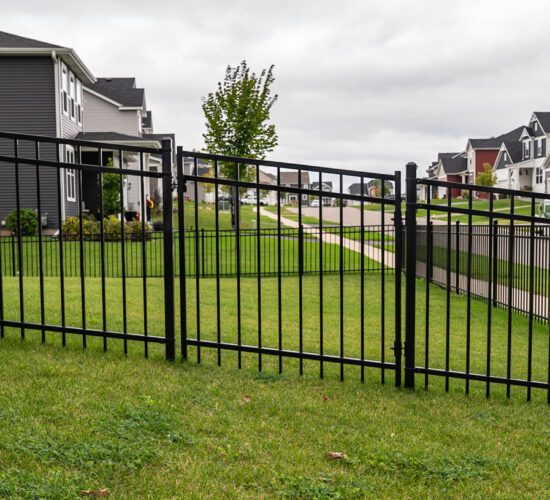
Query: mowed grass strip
[
  {"x": 378, "y": 323},
  {"x": 75, "y": 420}
]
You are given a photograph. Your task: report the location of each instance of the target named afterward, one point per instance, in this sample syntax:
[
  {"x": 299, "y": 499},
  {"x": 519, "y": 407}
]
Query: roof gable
[{"x": 121, "y": 90}]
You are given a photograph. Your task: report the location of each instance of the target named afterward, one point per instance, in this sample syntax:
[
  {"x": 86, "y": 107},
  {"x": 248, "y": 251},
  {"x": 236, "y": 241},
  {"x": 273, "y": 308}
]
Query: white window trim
[
  {"x": 64, "y": 89},
  {"x": 70, "y": 175}
]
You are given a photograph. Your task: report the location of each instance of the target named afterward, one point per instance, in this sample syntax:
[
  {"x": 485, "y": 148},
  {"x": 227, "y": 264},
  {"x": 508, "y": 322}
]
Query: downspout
[{"x": 58, "y": 128}]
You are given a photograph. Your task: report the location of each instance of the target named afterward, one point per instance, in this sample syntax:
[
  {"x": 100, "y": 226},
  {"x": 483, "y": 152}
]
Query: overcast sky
[{"x": 363, "y": 85}]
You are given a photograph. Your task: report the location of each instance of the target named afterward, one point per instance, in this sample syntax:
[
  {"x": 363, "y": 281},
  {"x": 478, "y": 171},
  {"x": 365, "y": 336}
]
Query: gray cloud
[{"x": 363, "y": 85}]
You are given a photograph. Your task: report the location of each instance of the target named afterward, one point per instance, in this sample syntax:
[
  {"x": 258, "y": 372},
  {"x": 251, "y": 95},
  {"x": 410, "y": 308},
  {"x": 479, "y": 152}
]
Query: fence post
[
  {"x": 169, "y": 307},
  {"x": 398, "y": 263},
  {"x": 410, "y": 273},
  {"x": 457, "y": 257}
]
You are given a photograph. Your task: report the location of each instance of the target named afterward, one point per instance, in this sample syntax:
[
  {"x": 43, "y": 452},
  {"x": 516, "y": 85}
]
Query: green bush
[
  {"x": 111, "y": 228},
  {"x": 28, "y": 219},
  {"x": 136, "y": 231},
  {"x": 71, "y": 228}
]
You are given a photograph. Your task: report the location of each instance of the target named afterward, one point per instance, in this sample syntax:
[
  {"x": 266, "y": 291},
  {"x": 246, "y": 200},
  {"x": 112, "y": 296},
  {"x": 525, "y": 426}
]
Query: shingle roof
[
  {"x": 496, "y": 142},
  {"x": 453, "y": 163},
  {"x": 515, "y": 150},
  {"x": 544, "y": 120},
  {"x": 10, "y": 41},
  {"x": 315, "y": 185},
  {"x": 121, "y": 90}
]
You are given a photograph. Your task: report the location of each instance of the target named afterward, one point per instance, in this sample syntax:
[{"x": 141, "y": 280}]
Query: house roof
[
  {"x": 544, "y": 120},
  {"x": 328, "y": 184},
  {"x": 452, "y": 163},
  {"x": 514, "y": 150},
  {"x": 496, "y": 142},
  {"x": 121, "y": 90},
  {"x": 15, "y": 45},
  {"x": 292, "y": 178},
  {"x": 113, "y": 137},
  {"x": 8, "y": 40}
]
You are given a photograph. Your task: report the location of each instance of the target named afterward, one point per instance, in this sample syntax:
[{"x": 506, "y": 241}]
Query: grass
[
  {"x": 74, "y": 420},
  {"x": 154, "y": 257},
  {"x": 293, "y": 215}
]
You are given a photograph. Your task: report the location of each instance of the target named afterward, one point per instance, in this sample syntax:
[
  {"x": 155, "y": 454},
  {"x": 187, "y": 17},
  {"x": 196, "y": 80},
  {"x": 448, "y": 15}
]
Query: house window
[
  {"x": 526, "y": 150},
  {"x": 79, "y": 102},
  {"x": 538, "y": 178},
  {"x": 65, "y": 89},
  {"x": 70, "y": 175},
  {"x": 539, "y": 147},
  {"x": 72, "y": 95},
  {"x": 505, "y": 156}
]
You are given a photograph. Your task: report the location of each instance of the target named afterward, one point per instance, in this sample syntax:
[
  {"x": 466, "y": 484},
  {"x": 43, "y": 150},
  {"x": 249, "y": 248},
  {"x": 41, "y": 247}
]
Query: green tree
[
  {"x": 111, "y": 191},
  {"x": 487, "y": 177},
  {"x": 238, "y": 120}
]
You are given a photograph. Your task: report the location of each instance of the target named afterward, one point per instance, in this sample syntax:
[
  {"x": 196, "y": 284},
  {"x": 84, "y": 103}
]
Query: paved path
[{"x": 370, "y": 251}]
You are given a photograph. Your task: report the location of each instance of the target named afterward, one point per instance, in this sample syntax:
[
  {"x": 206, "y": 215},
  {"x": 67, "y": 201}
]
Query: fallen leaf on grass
[
  {"x": 247, "y": 399},
  {"x": 325, "y": 398},
  {"x": 103, "y": 492},
  {"x": 335, "y": 455}
]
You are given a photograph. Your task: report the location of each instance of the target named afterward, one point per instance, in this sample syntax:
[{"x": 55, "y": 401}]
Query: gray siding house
[
  {"x": 45, "y": 89},
  {"x": 40, "y": 93}
]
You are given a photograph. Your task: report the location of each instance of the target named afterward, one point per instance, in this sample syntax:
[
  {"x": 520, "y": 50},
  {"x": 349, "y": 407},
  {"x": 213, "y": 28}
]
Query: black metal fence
[
  {"x": 299, "y": 253},
  {"x": 311, "y": 296},
  {"x": 505, "y": 263}
]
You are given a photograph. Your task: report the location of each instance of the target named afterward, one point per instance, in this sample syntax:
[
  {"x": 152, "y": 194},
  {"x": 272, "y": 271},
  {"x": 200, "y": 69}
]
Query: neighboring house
[
  {"x": 47, "y": 90},
  {"x": 525, "y": 163},
  {"x": 326, "y": 187},
  {"x": 40, "y": 93},
  {"x": 294, "y": 180},
  {"x": 429, "y": 191},
  {"x": 371, "y": 188},
  {"x": 205, "y": 192},
  {"x": 450, "y": 167}
]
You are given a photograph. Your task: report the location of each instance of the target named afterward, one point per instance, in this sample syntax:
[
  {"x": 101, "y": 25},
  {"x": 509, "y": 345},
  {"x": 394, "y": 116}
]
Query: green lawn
[
  {"x": 75, "y": 420},
  {"x": 154, "y": 258},
  {"x": 294, "y": 216}
]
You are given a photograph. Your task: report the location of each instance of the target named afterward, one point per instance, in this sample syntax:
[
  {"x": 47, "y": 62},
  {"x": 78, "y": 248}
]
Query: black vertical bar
[
  {"x": 457, "y": 254},
  {"x": 81, "y": 247},
  {"x": 321, "y": 315},
  {"x": 300, "y": 274},
  {"x": 197, "y": 262},
  {"x": 531, "y": 297},
  {"x": 40, "y": 236},
  {"x": 383, "y": 285},
  {"x": 495, "y": 263},
  {"x": 218, "y": 290},
  {"x": 448, "y": 292},
  {"x": 410, "y": 304},
  {"x": 490, "y": 299},
  {"x": 144, "y": 227},
  {"x": 238, "y": 255},
  {"x": 102, "y": 250},
  {"x": 19, "y": 240},
  {"x": 123, "y": 252},
  {"x": 511, "y": 231},
  {"x": 279, "y": 283},
  {"x": 60, "y": 204},
  {"x": 362, "y": 298},
  {"x": 167, "y": 224},
  {"x": 398, "y": 237},
  {"x": 468, "y": 293},
  {"x": 182, "y": 243},
  {"x": 341, "y": 273},
  {"x": 259, "y": 264},
  {"x": 429, "y": 275}
]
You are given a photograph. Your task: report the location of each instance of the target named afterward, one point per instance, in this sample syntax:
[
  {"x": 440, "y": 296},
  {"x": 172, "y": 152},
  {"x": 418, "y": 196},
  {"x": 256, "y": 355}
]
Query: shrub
[
  {"x": 111, "y": 228},
  {"x": 28, "y": 219},
  {"x": 136, "y": 231},
  {"x": 71, "y": 228}
]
